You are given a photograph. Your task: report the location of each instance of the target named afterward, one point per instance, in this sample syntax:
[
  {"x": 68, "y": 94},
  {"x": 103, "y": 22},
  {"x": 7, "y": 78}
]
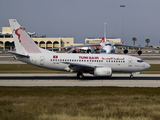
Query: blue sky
[{"x": 85, "y": 18}]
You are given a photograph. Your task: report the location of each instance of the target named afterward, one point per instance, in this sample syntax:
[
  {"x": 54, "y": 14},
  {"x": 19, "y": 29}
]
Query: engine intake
[
  {"x": 74, "y": 51},
  {"x": 89, "y": 51},
  {"x": 103, "y": 71},
  {"x": 125, "y": 51},
  {"x": 139, "y": 52}
]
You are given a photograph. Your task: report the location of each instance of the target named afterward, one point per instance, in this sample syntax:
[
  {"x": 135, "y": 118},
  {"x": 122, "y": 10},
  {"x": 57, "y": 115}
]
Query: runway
[{"x": 119, "y": 80}]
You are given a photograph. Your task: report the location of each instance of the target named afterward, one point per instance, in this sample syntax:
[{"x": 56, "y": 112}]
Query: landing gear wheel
[
  {"x": 131, "y": 76},
  {"x": 80, "y": 75}
]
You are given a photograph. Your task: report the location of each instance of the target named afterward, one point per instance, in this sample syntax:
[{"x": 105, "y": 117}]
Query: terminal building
[
  {"x": 98, "y": 40},
  {"x": 7, "y": 42}
]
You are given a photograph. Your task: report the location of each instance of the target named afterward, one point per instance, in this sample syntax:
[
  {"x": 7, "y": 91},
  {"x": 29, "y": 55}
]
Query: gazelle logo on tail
[
  {"x": 27, "y": 43},
  {"x": 16, "y": 32}
]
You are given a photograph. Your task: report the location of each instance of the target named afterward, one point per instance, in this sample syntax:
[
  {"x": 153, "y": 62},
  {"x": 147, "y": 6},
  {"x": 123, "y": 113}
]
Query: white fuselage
[
  {"x": 60, "y": 61},
  {"x": 97, "y": 64}
]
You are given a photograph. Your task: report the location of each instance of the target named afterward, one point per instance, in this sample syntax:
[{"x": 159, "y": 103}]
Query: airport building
[
  {"x": 7, "y": 43},
  {"x": 97, "y": 40}
]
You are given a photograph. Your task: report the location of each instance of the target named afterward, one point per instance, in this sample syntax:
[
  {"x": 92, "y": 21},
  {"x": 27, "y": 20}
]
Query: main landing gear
[
  {"x": 80, "y": 75},
  {"x": 131, "y": 76}
]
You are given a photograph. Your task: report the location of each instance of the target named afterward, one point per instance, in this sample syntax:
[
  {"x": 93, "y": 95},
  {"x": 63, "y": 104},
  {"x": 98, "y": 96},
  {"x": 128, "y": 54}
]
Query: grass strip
[
  {"x": 79, "y": 103},
  {"x": 27, "y": 68}
]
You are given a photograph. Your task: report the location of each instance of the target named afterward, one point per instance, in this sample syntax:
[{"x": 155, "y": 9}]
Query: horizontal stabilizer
[{"x": 18, "y": 54}]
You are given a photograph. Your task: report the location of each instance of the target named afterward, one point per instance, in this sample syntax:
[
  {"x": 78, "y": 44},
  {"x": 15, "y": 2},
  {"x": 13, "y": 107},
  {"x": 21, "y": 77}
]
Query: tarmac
[{"x": 118, "y": 80}]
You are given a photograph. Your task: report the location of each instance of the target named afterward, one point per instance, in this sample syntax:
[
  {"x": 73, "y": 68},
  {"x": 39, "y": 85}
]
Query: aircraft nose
[{"x": 147, "y": 66}]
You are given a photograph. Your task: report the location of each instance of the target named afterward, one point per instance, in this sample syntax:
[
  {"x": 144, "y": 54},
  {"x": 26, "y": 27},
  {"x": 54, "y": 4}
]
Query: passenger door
[
  {"x": 41, "y": 60},
  {"x": 130, "y": 62}
]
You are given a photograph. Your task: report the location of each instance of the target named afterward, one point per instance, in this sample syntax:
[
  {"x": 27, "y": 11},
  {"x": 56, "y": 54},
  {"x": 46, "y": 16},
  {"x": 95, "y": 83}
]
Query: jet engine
[
  {"x": 139, "y": 52},
  {"x": 125, "y": 51},
  {"x": 103, "y": 71},
  {"x": 74, "y": 51},
  {"x": 89, "y": 51}
]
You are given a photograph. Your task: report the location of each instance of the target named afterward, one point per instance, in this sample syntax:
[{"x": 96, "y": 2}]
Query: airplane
[
  {"x": 105, "y": 46},
  {"x": 100, "y": 65}
]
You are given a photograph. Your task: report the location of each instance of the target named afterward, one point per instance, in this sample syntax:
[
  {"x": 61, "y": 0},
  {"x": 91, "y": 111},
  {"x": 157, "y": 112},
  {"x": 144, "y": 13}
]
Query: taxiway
[{"x": 119, "y": 80}]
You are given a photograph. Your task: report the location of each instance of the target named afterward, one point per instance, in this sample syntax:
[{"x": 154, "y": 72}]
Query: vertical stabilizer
[
  {"x": 105, "y": 36},
  {"x": 102, "y": 40},
  {"x": 23, "y": 43}
]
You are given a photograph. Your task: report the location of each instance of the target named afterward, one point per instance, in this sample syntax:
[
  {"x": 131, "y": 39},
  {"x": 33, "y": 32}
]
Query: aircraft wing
[
  {"x": 18, "y": 54},
  {"x": 117, "y": 44},
  {"x": 85, "y": 45},
  {"x": 81, "y": 67}
]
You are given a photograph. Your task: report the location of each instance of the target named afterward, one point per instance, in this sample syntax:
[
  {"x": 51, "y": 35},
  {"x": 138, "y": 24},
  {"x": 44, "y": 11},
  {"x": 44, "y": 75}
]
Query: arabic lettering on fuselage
[
  {"x": 95, "y": 57},
  {"x": 112, "y": 58}
]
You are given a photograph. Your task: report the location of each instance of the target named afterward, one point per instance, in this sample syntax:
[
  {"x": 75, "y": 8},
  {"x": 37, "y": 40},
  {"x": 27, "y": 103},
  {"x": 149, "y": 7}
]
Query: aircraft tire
[
  {"x": 80, "y": 75},
  {"x": 131, "y": 76}
]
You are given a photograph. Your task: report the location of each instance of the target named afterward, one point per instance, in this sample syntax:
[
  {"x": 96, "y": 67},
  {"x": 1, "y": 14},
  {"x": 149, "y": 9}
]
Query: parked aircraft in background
[
  {"x": 104, "y": 46},
  {"x": 96, "y": 64}
]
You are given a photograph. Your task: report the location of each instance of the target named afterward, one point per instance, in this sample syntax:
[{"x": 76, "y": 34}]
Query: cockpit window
[
  {"x": 108, "y": 45},
  {"x": 139, "y": 61}
]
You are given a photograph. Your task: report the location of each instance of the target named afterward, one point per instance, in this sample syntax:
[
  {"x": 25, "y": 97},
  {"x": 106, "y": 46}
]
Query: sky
[{"x": 85, "y": 18}]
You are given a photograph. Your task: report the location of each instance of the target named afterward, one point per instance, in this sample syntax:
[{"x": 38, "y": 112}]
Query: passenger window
[{"x": 139, "y": 61}]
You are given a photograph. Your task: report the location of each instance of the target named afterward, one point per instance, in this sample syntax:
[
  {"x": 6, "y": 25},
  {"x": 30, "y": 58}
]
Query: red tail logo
[
  {"x": 102, "y": 40},
  {"x": 26, "y": 41},
  {"x": 16, "y": 32}
]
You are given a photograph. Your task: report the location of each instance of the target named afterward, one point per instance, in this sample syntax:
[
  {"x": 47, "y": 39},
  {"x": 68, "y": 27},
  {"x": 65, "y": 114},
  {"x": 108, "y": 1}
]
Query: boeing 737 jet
[{"x": 97, "y": 64}]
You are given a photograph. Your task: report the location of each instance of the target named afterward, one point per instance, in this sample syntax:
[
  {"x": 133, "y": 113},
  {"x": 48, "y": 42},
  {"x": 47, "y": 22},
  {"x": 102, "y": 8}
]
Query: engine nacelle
[
  {"x": 125, "y": 51},
  {"x": 139, "y": 52},
  {"x": 103, "y": 71},
  {"x": 74, "y": 51},
  {"x": 89, "y": 51}
]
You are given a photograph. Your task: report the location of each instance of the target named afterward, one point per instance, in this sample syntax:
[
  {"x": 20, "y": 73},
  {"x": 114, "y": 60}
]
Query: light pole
[{"x": 122, "y": 6}]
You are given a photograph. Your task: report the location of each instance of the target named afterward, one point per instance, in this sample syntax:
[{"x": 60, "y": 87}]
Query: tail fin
[
  {"x": 105, "y": 35},
  {"x": 102, "y": 40},
  {"x": 23, "y": 43}
]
